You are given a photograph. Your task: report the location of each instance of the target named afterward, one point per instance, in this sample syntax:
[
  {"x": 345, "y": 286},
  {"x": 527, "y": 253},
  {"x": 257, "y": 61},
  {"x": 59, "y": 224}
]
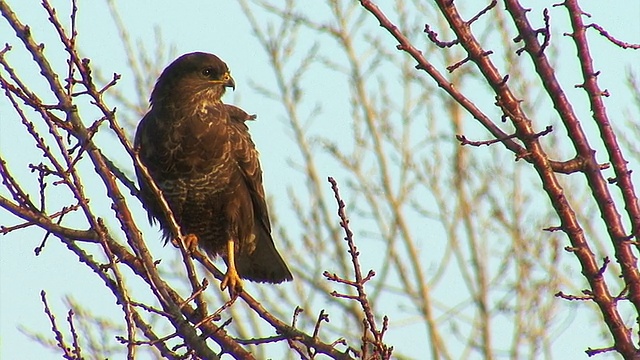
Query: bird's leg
[{"x": 231, "y": 278}]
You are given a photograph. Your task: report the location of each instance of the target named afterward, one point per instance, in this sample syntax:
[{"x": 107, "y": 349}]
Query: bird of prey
[{"x": 200, "y": 154}]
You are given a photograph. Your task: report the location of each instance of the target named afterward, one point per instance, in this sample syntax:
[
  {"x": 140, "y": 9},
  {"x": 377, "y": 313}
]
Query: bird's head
[{"x": 192, "y": 77}]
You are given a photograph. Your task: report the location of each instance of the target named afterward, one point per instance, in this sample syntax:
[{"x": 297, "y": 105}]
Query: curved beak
[{"x": 228, "y": 81}]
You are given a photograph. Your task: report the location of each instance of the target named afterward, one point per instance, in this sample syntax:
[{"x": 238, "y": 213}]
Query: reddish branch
[
  {"x": 176, "y": 309},
  {"x": 619, "y": 163},
  {"x": 592, "y": 171},
  {"x": 119, "y": 205},
  {"x": 404, "y": 44},
  {"x": 433, "y": 36},
  {"x": 290, "y": 332},
  {"x": 193, "y": 325},
  {"x": 569, "y": 297},
  {"x": 464, "y": 141},
  {"x": 533, "y": 152},
  {"x": 370, "y": 327},
  {"x": 620, "y": 43}
]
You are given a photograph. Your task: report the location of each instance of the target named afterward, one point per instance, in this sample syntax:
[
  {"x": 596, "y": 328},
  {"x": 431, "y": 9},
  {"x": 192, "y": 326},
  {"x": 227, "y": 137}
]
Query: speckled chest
[{"x": 194, "y": 145}]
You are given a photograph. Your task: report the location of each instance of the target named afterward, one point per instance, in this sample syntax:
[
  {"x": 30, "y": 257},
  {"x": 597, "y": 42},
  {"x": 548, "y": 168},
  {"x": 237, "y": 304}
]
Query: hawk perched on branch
[{"x": 200, "y": 154}]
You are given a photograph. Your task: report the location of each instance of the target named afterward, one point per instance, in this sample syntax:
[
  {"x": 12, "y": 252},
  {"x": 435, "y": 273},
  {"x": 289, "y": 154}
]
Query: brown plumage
[{"x": 199, "y": 152}]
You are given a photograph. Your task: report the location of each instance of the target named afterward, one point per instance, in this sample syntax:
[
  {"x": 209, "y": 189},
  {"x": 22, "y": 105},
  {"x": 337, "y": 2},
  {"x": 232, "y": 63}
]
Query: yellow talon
[{"x": 231, "y": 279}]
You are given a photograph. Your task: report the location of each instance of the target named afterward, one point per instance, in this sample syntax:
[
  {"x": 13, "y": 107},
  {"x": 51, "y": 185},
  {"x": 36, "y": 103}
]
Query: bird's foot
[
  {"x": 232, "y": 281},
  {"x": 190, "y": 242}
]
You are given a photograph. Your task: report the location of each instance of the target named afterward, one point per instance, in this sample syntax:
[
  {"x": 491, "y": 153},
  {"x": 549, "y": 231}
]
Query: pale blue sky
[{"x": 221, "y": 28}]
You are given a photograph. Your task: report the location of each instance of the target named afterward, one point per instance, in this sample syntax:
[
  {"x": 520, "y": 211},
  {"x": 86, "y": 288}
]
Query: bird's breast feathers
[{"x": 192, "y": 143}]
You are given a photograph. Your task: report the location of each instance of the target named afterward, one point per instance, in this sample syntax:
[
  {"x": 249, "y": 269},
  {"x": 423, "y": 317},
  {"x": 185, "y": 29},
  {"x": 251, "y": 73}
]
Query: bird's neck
[{"x": 188, "y": 104}]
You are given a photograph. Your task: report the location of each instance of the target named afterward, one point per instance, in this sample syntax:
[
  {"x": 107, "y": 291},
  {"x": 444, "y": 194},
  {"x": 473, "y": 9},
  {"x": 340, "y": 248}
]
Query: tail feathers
[{"x": 265, "y": 263}]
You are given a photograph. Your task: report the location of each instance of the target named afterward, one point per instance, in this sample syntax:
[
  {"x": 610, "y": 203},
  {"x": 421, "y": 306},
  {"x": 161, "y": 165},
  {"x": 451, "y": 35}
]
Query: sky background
[{"x": 221, "y": 28}]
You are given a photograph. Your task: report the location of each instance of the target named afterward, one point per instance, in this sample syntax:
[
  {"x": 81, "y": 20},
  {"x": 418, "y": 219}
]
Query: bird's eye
[{"x": 207, "y": 72}]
